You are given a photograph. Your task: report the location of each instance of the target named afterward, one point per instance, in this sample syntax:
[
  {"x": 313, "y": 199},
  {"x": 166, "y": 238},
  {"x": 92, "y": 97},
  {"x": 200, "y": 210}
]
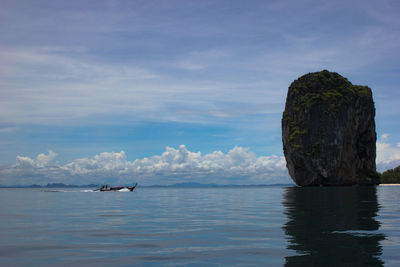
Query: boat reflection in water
[{"x": 332, "y": 226}]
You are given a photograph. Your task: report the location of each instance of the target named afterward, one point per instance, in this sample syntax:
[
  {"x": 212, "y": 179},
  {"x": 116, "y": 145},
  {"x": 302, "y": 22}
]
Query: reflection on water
[{"x": 332, "y": 226}]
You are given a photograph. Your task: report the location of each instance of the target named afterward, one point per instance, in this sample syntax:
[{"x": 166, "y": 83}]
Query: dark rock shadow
[{"x": 332, "y": 226}]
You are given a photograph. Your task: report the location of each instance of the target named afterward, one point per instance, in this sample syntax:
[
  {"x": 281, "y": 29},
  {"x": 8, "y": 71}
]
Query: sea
[{"x": 209, "y": 226}]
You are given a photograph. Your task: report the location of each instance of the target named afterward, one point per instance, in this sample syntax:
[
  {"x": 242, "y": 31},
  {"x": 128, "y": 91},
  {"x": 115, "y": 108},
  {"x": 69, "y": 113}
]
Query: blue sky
[{"x": 139, "y": 79}]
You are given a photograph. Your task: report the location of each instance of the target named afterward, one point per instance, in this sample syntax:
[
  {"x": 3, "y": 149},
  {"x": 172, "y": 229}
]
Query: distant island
[
  {"x": 177, "y": 185},
  {"x": 391, "y": 176},
  {"x": 199, "y": 185}
]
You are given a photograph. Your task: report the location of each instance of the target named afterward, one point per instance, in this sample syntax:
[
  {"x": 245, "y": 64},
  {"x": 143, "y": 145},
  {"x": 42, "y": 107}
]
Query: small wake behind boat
[{"x": 115, "y": 188}]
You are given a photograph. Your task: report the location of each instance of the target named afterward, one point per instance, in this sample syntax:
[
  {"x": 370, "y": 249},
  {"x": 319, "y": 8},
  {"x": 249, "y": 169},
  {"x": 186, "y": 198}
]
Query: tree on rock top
[{"x": 328, "y": 131}]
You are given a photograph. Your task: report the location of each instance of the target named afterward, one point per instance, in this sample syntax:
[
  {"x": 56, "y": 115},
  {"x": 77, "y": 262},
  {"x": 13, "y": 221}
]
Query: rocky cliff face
[{"x": 328, "y": 131}]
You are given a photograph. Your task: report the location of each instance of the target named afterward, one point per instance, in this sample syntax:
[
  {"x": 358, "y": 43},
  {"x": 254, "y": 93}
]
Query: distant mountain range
[
  {"x": 178, "y": 185},
  {"x": 185, "y": 185}
]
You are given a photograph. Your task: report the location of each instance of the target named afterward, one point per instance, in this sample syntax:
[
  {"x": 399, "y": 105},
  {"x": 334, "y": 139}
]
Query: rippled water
[{"x": 269, "y": 226}]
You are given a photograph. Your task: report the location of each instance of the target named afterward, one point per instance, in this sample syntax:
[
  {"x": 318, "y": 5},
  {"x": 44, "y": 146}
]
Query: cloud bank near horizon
[{"x": 237, "y": 166}]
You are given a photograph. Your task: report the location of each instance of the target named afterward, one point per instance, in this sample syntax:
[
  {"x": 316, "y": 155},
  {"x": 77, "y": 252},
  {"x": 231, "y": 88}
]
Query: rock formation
[{"x": 328, "y": 131}]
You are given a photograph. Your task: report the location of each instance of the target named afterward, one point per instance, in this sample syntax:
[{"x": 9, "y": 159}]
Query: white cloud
[
  {"x": 238, "y": 166},
  {"x": 44, "y": 86},
  {"x": 42, "y": 160},
  {"x": 387, "y": 155},
  {"x": 384, "y": 136},
  {"x": 246, "y": 56},
  {"x": 24, "y": 162}
]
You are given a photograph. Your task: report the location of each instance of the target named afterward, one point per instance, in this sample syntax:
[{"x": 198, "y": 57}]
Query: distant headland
[{"x": 391, "y": 176}]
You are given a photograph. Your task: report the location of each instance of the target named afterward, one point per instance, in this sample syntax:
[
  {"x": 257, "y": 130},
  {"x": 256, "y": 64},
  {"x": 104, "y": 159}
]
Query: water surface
[{"x": 269, "y": 226}]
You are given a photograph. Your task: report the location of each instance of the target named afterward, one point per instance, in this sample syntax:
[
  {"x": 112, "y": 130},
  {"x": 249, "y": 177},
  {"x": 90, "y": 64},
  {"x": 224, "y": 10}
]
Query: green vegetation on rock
[{"x": 327, "y": 89}]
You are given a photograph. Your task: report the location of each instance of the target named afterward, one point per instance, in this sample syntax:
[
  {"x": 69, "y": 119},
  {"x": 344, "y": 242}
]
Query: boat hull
[{"x": 116, "y": 188}]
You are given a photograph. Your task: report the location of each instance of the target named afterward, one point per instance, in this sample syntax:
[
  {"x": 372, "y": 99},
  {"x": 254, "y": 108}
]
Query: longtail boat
[{"x": 107, "y": 187}]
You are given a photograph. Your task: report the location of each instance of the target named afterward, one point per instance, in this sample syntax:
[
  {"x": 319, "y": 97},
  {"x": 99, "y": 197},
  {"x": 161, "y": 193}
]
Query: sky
[{"x": 163, "y": 92}]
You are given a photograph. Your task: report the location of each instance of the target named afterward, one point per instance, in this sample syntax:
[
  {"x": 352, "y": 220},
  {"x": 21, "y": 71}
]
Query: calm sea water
[{"x": 268, "y": 226}]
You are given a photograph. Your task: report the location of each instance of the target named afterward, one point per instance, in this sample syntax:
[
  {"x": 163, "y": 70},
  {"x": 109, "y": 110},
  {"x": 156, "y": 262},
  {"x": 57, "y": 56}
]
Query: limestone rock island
[{"x": 328, "y": 131}]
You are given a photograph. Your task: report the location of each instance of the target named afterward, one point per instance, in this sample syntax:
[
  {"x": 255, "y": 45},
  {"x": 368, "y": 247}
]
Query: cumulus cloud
[
  {"x": 174, "y": 165},
  {"x": 387, "y": 155},
  {"x": 42, "y": 160},
  {"x": 237, "y": 166}
]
